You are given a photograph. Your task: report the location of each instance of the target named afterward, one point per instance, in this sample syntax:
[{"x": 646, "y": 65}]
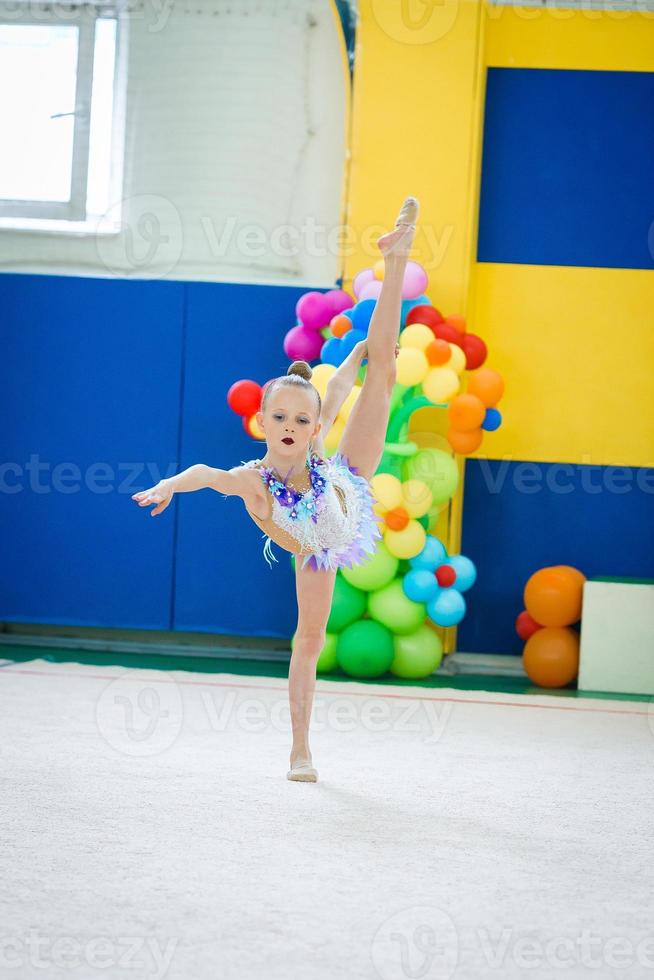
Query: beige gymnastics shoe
[
  {"x": 399, "y": 240},
  {"x": 303, "y": 772}
]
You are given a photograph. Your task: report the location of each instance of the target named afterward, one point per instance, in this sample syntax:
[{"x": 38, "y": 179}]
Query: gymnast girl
[{"x": 318, "y": 508}]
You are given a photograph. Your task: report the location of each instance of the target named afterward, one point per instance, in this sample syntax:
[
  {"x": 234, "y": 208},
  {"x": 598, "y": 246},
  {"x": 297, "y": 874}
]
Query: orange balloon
[
  {"x": 465, "y": 442},
  {"x": 466, "y": 412},
  {"x": 553, "y": 597},
  {"x": 578, "y": 576},
  {"x": 551, "y": 656},
  {"x": 339, "y": 325},
  {"x": 457, "y": 320},
  {"x": 487, "y": 385},
  {"x": 438, "y": 352},
  {"x": 396, "y": 519}
]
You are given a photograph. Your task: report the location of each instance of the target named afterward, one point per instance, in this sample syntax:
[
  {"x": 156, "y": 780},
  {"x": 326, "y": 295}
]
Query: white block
[{"x": 617, "y": 638}]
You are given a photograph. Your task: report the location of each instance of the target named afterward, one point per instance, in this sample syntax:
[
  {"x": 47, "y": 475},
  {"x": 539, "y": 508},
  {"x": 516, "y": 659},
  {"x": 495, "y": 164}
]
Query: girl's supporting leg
[
  {"x": 314, "y": 598},
  {"x": 363, "y": 440}
]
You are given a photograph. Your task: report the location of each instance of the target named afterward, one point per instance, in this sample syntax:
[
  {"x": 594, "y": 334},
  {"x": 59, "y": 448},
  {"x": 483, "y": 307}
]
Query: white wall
[{"x": 235, "y": 118}]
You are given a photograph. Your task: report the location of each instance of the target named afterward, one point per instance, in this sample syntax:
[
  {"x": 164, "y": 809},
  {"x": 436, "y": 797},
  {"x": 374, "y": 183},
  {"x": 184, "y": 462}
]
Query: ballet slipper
[
  {"x": 303, "y": 772},
  {"x": 392, "y": 242}
]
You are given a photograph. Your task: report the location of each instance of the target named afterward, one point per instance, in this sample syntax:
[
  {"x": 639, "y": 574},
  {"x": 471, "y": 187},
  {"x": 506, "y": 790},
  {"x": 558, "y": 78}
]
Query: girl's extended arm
[{"x": 196, "y": 477}]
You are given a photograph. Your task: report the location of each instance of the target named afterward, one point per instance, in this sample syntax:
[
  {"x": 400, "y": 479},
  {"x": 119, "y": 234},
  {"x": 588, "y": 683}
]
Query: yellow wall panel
[
  {"x": 576, "y": 349},
  {"x": 536, "y": 37},
  {"x": 417, "y": 105}
]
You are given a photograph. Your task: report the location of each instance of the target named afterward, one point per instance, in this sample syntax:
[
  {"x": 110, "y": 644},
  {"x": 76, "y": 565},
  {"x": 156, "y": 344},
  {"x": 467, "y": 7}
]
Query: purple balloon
[
  {"x": 303, "y": 344},
  {"x": 313, "y": 310},
  {"x": 361, "y": 279},
  {"x": 415, "y": 280},
  {"x": 338, "y": 300},
  {"x": 371, "y": 290}
]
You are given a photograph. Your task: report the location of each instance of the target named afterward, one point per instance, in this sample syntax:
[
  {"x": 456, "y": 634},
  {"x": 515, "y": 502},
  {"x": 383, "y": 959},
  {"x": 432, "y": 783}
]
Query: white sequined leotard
[{"x": 333, "y": 520}]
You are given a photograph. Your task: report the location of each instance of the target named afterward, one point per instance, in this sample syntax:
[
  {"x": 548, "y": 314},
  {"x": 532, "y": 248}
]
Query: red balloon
[
  {"x": 526, "y": 625},
  {"x": 444, "y": 331},
  {"x": 445, "y": 575},
  {"x": 475, "y": 351},
  {"x": 428, "y": 315},
  {"x": 244, "y": 397}
]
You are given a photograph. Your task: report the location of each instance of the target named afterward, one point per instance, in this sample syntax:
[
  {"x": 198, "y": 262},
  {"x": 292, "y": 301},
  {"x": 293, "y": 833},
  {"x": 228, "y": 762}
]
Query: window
[{"x": 57, "y": 114}]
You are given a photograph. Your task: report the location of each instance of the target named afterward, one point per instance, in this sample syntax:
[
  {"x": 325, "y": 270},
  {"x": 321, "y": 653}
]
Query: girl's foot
[
  {"x": 302, "y": 772},
  {"x": 302, "y": 769},
  {"x": 398, "y": 242}
]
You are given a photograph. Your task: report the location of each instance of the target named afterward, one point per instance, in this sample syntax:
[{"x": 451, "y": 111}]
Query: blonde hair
[{"x": 298, "y": 375}]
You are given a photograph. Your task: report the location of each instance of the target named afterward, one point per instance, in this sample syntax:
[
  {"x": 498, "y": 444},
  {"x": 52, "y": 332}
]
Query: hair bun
[{"x": 301, "y": 368}]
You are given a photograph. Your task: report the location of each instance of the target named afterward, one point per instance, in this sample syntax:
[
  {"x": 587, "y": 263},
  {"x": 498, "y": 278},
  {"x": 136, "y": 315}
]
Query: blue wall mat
[
  {"x": 89, "y": 374},
  {"x": 568, "y": 158},
  {"x": 223, "y": 582},
  {"x": 510, "y": 531}
]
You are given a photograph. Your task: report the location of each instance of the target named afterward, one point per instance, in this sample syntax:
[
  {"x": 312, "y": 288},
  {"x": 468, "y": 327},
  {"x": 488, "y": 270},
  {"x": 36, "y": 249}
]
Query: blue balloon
[
  {"x": 466, "y": 573},
  {"x": 492, "y": 420},
  {"x": 348, "y": 312},
  {"x": 362, "y": 313},
  {"x": 433, "y": 554},
  {"x": 331, "y": 352},
  {"x": 350, "y": 339},
  {"x": 448, "y": 608},
  {"x": 420, "y": 585}
]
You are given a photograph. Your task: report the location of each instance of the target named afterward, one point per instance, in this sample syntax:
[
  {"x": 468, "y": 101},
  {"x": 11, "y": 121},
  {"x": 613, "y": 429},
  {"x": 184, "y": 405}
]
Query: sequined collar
[{"x": 300, "y": 504}]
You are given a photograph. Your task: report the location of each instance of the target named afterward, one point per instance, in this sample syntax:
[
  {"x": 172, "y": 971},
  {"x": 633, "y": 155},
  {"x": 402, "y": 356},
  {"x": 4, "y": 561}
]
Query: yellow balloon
[
  {"x": 378, "y": 269},
  {"x": 388, "y": 491},
  {"x": 349, "y": 403},
  {"x": 256, "y": 429},
  {"x": 321, "y": 375},
  {"x": 441, "y": 384},
  {"x": 457, "y": 359},
  {"x": 334, "y": 435},
  {"x": 412, "y": 366},
  {"x": 406, "y": 543},
  {"x": 417, "y": 335},
  {"x": 417, "y": 497}
]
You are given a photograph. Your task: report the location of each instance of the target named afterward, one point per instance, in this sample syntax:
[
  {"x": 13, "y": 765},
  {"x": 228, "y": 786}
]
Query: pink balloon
[
  {"x": 371, "y": 290},
  {"x": 361, "y": 279},
  {"x": 339, "y": 300},
  {"x": 415, "y": 280},
  {"x": 303, "y": 344},
  {"x": 313, "y": 310}
]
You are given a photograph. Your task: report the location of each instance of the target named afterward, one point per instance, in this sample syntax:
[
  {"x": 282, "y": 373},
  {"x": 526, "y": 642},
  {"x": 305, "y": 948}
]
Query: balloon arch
[{"x": 386, "y": 612}]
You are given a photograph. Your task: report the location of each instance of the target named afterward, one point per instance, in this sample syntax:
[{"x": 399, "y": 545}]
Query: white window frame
[{"x": 72, "y": 214}]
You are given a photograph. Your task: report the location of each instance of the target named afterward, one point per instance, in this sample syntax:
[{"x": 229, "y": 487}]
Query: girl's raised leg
[{"x": 363, "y": 440}]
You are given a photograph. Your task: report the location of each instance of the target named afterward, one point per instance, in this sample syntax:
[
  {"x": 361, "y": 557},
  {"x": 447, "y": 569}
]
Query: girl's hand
[{"x": 161, "y": 495}]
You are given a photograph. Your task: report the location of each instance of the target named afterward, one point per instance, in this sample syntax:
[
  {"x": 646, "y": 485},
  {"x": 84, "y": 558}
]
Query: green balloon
[
  {"x": 437, "y": 469},
  {"x": 327, "y": 659},
  {"x": 348, "y": 604},
  {"x": 377, "y": 571},
  {"x": 418, "y": 654},
  {"x": 365, "y": 649},
  {"x": 392, "y": 608}
]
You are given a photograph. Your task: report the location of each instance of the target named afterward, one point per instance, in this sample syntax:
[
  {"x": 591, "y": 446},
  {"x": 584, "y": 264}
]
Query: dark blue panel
[
  {"x": 223, "y": 583},
  {"x": 89, "y": 375},
  {"x": 568, "y": 158},
  {"x": 519, "y": 517}
]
